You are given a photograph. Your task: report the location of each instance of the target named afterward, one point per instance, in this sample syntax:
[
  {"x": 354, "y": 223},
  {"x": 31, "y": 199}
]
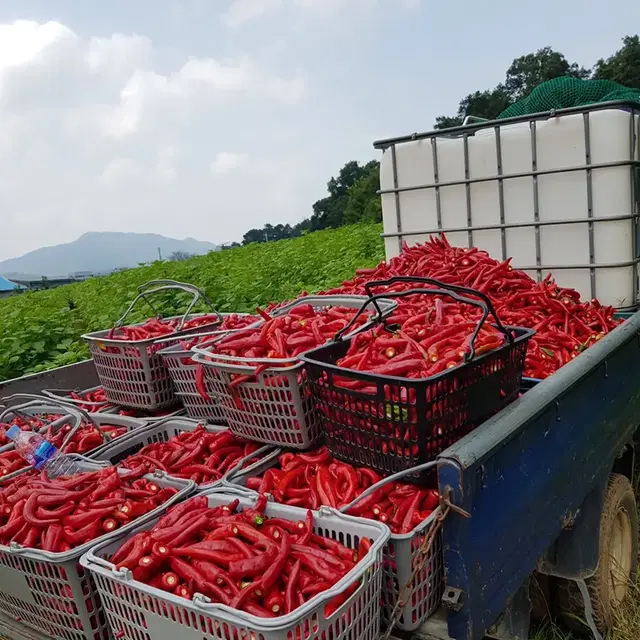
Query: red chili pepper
[
  {"x": 292, "y": 587},
  {"x": 263, "y": 314},
  {"x": 325, "y": 488},
  {"x": 200, "y": 385}
]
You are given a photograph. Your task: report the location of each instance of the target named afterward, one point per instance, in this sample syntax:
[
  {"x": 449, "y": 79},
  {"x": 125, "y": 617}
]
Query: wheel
[{"x": 617, "y": 562}]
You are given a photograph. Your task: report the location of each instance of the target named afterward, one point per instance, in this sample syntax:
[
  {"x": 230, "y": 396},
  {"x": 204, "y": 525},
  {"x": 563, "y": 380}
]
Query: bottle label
[{"x": 43, "y": 454}]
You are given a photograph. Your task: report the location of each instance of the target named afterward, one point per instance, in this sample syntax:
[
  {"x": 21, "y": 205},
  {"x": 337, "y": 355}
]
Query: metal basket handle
[
  {"x": 73, "y": 411},
  {"x": 237, "y": 465},
  {"x": 438, "y": 283},
  {"x": 397, "y": 476},
  {"x": 450, "y": 291},
  {"x": 15, "y": 410},
  {"x": 51, "y": 393},
  {"x": 145, "y": 290}
]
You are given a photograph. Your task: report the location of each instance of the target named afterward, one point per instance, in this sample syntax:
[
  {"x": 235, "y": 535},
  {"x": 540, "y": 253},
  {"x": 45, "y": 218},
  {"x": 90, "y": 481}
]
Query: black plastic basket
[{"x": 407, "y": 421}]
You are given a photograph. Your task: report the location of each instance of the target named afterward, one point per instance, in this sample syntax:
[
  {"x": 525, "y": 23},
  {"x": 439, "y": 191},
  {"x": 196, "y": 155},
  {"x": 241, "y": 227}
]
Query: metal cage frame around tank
[{"x": 469, "y": 129}]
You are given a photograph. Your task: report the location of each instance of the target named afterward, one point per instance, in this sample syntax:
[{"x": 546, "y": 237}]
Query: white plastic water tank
[{"x": 599, "y": 145}]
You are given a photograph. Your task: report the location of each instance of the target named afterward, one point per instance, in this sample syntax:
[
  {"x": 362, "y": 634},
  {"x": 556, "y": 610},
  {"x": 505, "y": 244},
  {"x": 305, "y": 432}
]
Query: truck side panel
[
  {"x": 526, "y": 472},
  {"x": 81, "y": 375}
]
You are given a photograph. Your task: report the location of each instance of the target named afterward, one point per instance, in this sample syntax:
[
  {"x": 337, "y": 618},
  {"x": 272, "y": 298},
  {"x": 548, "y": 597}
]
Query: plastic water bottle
[{"x": 41, "y": 454}]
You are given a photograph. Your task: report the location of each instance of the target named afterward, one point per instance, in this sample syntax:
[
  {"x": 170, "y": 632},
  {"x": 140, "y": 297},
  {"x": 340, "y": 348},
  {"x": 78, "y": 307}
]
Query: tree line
[
  {"x": 352, "y": 195},
  {"x": 352, "y": 198}
]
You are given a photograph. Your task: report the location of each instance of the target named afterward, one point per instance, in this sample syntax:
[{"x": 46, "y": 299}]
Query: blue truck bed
[{"x": 524, "y": 477}]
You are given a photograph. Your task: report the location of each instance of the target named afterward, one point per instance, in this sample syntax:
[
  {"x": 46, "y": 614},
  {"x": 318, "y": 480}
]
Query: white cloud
[
  {"x": 243, "y": 11},
  {"x": 227, "y": 161},
  {"x": 112, "y": 134},
  {"x": 24, "y": 41}
]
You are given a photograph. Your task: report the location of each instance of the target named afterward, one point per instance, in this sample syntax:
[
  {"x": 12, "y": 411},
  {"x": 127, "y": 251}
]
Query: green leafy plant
[{"x": 41, "y": 330}]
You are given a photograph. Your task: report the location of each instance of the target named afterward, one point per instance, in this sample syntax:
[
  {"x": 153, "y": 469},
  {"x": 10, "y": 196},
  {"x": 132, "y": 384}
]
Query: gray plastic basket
[
  {"x": 399, "y": 556},
  {"x": 33, "y": 408},
  {"x": 52, "y": 592},
  {"x": 135, "y": 610},
  {"x": 131, "y": 372},
  {"x": 163, "y": 431},
  {"x": 278, "y": 408}
]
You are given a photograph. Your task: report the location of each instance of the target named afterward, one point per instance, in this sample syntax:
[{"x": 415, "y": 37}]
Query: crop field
[{"x": 41, "y": 330}]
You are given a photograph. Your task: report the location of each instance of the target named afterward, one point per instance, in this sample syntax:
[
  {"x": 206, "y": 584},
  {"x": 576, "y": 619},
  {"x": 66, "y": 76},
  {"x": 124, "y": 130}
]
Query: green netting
[{"x": 562, "y": 93}]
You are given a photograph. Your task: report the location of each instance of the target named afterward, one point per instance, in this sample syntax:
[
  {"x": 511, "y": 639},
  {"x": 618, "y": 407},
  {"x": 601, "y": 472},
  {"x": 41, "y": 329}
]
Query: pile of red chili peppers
[
  {"x": 157, "y": 328},
  {"x": 90, "y": 401},
  {"x": 231, "y": 322},
  {"x": 267, "y": 567},
  {"x": 11, "y": 461},
  {"x": 86, "y": 438},
  {"x": 565, "y": 326},
  {"x": 315, "y": 478},
  {"x": 284, "y": 337},
  {"x": 427, "y": 344},
  {"x": 59, "y": 514},
  {"x": 198, "y": 455},
  {"x": 26, "y": 423}
]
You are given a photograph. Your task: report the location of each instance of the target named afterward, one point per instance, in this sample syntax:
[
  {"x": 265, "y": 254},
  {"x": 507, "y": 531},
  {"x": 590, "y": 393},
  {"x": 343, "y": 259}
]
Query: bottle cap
[{"x": 13, "y": 432}]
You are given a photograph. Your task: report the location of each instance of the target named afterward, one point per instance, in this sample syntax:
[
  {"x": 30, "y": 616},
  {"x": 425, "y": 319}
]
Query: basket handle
[
  {"x": 438, "y": 283},
  {"x": 155, "y": 286},
  {"x": 234, "y": 472},
  {"x": 237, "y": 465},
  {"x": 51, "y": 393},
  {"x": 75, "y": 412},
  {"x": 392, "y": 478},
  {"x": 445, "y": 290}
]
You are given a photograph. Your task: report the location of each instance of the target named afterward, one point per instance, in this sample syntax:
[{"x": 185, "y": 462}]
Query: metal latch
[{"x": 452, "y": 598}]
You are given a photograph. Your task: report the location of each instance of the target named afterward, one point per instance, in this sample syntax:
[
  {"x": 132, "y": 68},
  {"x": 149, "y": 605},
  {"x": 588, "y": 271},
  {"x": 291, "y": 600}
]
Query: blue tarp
[{"x": 7, "y": 285}]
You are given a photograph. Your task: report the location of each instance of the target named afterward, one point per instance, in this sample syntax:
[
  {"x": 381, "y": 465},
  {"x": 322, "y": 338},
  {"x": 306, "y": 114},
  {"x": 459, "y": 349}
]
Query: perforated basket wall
[
  {"x": 132, "y": 373},
  {"x": 182, "y": 371},
  {"x": 398, "y": 557},
  {"x": 140, "y": 612},
  {"x": 59, "y": 600},
  {"x": 399, "y": 423},
  {"x": 52, "y": 593},
  {"x": 276, "y": 409}
]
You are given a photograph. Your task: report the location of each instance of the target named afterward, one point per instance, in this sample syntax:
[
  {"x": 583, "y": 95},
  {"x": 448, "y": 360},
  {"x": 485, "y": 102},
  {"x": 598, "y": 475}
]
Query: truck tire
[{"x": 617, "y": 562}]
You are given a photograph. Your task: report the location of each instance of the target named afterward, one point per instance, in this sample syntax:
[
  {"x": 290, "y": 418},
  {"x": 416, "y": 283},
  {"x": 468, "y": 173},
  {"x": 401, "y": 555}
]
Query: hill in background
[{"x": 101, "y": 252}]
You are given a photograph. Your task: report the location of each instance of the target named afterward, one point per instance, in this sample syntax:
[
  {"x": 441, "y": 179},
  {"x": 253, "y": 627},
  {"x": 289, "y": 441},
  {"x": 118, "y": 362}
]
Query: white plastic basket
[
  {"x": 52, "y": 592},
  {"x": 163, "y": 431},
  {"x": 278, "y": 408},
  {"x": 136, "y": 610},
  {"x": 399, "y": 556}
]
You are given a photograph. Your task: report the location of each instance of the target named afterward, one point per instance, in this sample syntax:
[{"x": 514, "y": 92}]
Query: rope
[{"x": 424, "y": 554}]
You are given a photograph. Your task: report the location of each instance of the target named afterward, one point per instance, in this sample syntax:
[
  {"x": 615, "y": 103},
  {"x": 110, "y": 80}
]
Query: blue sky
[{"x": 206, "y": 118}]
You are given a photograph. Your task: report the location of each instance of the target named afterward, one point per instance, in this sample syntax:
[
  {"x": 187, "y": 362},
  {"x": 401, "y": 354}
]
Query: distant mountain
[{"x": 101, "y": 252}]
